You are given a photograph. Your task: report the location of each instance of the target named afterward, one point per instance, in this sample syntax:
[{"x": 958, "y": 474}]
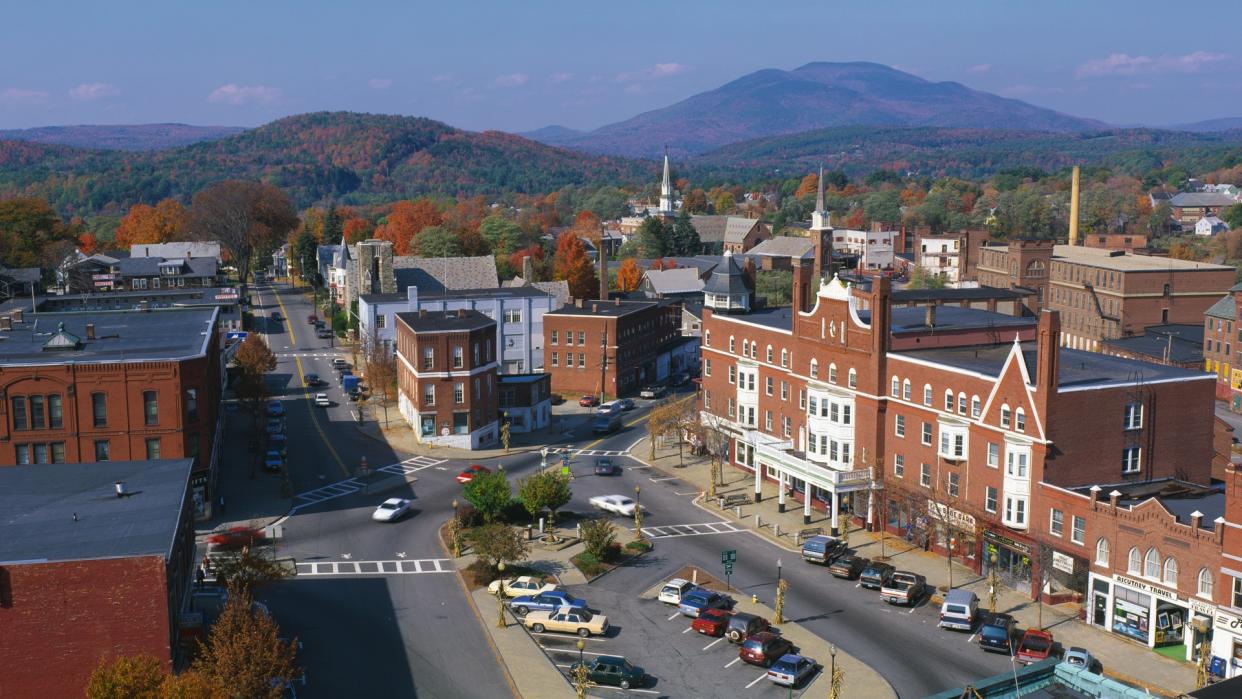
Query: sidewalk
[
  {"x": 1122, "y": 659},
  {"x": 252, "y": 497}
]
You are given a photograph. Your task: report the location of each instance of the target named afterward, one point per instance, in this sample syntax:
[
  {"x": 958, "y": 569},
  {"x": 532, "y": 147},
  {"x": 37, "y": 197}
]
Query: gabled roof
[
  {"x": 679, "y": 280},
  {"x": 1190, "y": 199},
  {"x": 736, "y": 228},
  {"x": 711, "y": 229},
  {"x": 784, "y": 246},
  {"x": 438, "y": 273},
  {"x": 1223, "y": 308},
  {"x": 727, "y": 279}
]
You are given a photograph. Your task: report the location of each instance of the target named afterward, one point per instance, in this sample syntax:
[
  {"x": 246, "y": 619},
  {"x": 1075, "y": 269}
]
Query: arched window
[
  {"x": 770, "y": 355},
  {"x": 1151, "y": 564},
  {"x": 1101, "y": 552},
  {"x": 814, "y": 368},
  {"x": 732, "y": 344},
  {"x": 1019, "y": 420},
  {"x": 1170, "y": 571},
  {"x": 948, "y": 401},
  {"x": 853, "y": 379},
  {"x": 895, "y": 388},
  {"x": 784, "y": 357},
  {"x": 905, "y": 389},
  {"x": 927, "y": 394},
  {"x": 832, "y": 373},
  {"x": 1204, "y": 588},
  {"x": 1134, "y": 566},
  {"x": 976, "y": 407},
  {"x": 1036, "y": 269},
  {"x": 707, "y": 337},
  {"x": 1006, "y": 416}
]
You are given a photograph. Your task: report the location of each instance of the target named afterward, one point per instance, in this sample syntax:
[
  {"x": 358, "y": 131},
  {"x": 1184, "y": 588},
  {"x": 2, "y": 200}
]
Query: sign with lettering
[
  {"x": 1063, "y": 562},
  {"x": 1007, "y": 542},
  {"x": 955, "y": 518},
  {"x": 1144, "y": 587},
  {"x": 1225, "y": 620}
]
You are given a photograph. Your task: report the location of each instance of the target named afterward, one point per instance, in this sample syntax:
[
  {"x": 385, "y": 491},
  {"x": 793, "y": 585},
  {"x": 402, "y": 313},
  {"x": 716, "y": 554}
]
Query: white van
[{"x": 959, "y": 610}]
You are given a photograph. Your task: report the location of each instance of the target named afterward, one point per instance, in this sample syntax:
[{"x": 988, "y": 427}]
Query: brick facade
[{"x": 607, "y": 346}]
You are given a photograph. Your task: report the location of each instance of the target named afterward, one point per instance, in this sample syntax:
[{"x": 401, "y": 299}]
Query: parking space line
[
  {"x": 733, "y": 662},
  {"x": 666, "y": 478},
  {"x": 972, "y": 637},
  {"x": 688, "y": 629},
  {"x": 912, "y": 608},
  {"x": 709, "y": 645},
  {"x": 675, "y": 615},
  {"x": 756, "y": 680},
  {"x": 561, "y": 635}
]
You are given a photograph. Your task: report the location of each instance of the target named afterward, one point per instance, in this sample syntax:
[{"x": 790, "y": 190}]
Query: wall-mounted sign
[{"x": 1063, "y": 562}]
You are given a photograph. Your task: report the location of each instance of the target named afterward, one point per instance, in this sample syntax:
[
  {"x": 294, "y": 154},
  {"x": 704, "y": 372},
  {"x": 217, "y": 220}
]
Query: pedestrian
[
  {"x": 200, "y": 575},
  {"x": 221, "y": 503}
]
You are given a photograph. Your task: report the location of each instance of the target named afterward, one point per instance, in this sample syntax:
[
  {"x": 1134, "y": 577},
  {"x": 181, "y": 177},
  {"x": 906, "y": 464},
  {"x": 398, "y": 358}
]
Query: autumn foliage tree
[
  {"x": 572, "y": 264},
  {"x": 808, "y": 185},
  {"x": 245, "y": 652},
  {"x": 144, "y": 677},
  {"x": 254, "y": 359},
  {"x": 629, "y": 276},
  {"x": 406, "y": 220},
  {"x": 244, "y": 217},
  {"x": 161, "y": 223},
  {"x": 29, "y": 231}
]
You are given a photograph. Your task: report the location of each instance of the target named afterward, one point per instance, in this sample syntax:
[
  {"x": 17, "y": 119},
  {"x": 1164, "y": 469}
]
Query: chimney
[
  {"x": 578, "y": 303},
  {"x": 1073, "y": 222},
  {"x": 602, "y": 257},
  {"x": 748, "y": 271},
  {"x": 461, "y": 313},
  {"x": 120, "y": 489},
  {"x": 1095, "y": 495},
  {"x": 1113, "y": 497},
  {"x": 422, "y": 313},
  {"x": 617, "y": 301},
  {"x": 595, "y": 308},
  {"x": 17, "y": 315},
  {"x": 1196, "y": 518},
  {"x": 90, "y": 331},
  {"x": 929, "y": 315},
  {"x": 528, "y": 269},
  {"x": 881, "y": 312},
  {"x": 6, "y": 323},
  {"x": 801, "y": 286},
  {"x": 1048, "y": 355}
]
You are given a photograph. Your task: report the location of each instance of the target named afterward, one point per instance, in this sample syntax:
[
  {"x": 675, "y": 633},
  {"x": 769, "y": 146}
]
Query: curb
[
  {"x": 512, "y": 452},
  {"x": 621, "y": 563}
]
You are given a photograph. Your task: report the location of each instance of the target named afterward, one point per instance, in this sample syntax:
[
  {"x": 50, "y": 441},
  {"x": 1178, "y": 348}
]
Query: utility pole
[{"x": 603, "y": 364}]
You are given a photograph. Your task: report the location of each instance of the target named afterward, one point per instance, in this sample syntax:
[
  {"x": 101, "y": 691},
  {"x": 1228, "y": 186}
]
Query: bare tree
[
  {"x": 381, "y": 369},
  {"x": 245, "y": 218}
]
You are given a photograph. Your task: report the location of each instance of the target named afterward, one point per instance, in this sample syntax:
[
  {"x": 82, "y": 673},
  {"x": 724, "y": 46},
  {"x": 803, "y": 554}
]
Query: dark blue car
[
  {"x": 692, "y": 603},
  {"x": 549, "y": 601}
]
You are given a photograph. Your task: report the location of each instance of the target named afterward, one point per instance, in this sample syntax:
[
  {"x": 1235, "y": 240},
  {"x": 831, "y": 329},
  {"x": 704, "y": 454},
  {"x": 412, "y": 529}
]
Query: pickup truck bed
[{"x": 903, "y": 588}]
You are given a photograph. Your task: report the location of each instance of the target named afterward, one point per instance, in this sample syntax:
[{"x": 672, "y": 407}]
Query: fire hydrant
[{"x": 754, "y": 599}]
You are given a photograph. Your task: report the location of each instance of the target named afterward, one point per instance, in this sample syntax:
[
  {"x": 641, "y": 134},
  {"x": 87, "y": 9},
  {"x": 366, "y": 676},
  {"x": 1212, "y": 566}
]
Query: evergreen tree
[
  {"x": 333, "y": 227},
  {"x": 652, "y": 238},
  {"x": 685, "y": 237}
]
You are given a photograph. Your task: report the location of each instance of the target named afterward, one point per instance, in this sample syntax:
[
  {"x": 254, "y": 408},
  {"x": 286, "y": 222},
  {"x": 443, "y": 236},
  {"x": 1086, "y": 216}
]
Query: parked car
[
  {"x": 275, "y": 408},
  {"x": 764, "y": 648},
  {"x": 712, "y": 622},
  {"x": 321, "y": 400},
  {"x": 680, "y": 379},
  {"x": 391, "y": 510},
  {"x": 997, "y": 633},
  {"x": 959, "y": 609},
  {"x": 521, "y": 585},
  {"x": 626, "y": 404},
  {"x": 548, "y": 601},
  {"x": 323, "y": 333},
  {"x": 876, "y": 575},
  {"x": 588, "y": 401},
  {"x": 557, "y": 398},
  {"x": 606, "y": 423},
  {"x": 339, "y": 364},
  {"x": 616, "y": 504},
  {"x": 904, "y": 588},
  {"x": 279, "y": 443},
  {"x": 273, "y": 461},
  {"x": 791, "y": 669},
  {"x": 848, "y": 567},
  {"x": 612, "y": 670},
  {"x": 1080, "y": 657},
  {"x": 567, "y": 620},
  {"x": 742, "y": 626},
  {"x": 822, "y": 549},
  {"x": 608, "y": 408},
  {"x": 605, "y": 466},
  {"x": 313, "y": 380},
  {"x": 653, "y": 391},
  {"x": 674, "y": 590},
  {"x": 276, "y": 316},
  {"x": 274, "y": 426},
  {"x": 1035, "y": 646},
  {"x": 311, "y": 319},
  {"x": 692, "y": 604},
  {"x": 468, "y": 473}
]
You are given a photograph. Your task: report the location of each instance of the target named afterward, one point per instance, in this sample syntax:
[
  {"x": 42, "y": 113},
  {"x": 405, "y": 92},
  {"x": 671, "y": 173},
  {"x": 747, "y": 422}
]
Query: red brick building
[
  {"x": 610, "y": 347},
  {"x": 446, "y": 376},
  {"x": 1227, "y": 622},
  {"x": 112, "y": 386},
  {"x": 87, "y": 576},
  {"x": 1222, "y": 346},
  {"x": 939, "y": 422}
]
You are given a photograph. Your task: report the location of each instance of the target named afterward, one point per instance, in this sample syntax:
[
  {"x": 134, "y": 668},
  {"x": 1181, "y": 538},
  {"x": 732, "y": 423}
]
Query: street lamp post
[
  {"x": 638, "y": 513},
  {"x": 500, "y": 595},
  {"x": 455, "y": 531},
  {"x": 580, "y": 672},
  {"x": 781, "y": 586},
  {"x": 992, "y": 583},
  {"x": 835, "y": 676}
]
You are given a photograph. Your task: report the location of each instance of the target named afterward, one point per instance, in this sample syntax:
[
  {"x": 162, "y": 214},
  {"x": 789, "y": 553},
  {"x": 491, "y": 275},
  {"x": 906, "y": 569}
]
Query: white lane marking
[
  {"x": 688, "y": 629},
  {"x": 675, "y": 615},
  {"x": 755, "y": 681},
  {"x": 561, "y": 635},
  {"x": 394, "y": 567},
  {"x": 666, "y": 478},
  {"x": 972, "y": 637},
  {"x": 733, "y": 662},
  {"x": 692, "y": 492},
  {"x": 912, "y": 608},
  {"x": 709, "y": 645}
]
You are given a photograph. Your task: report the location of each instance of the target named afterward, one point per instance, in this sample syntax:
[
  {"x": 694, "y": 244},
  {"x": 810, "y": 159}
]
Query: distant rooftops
[
  {"x": 68, "y": 512},
  {"x": 679, "y": 280},
  {"x": 116, "y": 336},
  {"x": 613, "y": 308},
  {"x": 1126, "y": 262},
  {"x": 445, "y": 321},
  {"x": 182, "y": 249},
  {"x": 784, "y": 246},
  {"x": 178, "y": 297},
  {"x": 440, "y": 273},
  {"x": 502, "y": 292},
  {"x": 902, "y": 320},
  {"x": 1183, "y": 200}
]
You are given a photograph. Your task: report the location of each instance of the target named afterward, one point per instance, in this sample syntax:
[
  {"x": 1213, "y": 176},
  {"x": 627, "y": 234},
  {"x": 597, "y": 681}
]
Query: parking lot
[{"x": 656, "y": 637}]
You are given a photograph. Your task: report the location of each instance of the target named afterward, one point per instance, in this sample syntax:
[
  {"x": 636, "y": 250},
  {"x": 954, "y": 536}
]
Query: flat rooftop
[
  {"x": 1078, "y": 369},
  {"x": 40, "y": 501},
  {"x": 1108, "y": 259},
  {"x": 904, "y": 319},
  {"x": 125, "y": 300},
  {"x": 445, "y": 321},
  {"x": 611, "y": 309},
  {"x": 503, "y": 292},
  {"x": 1180, "y": 498},
  {"x": 120, "y": 336}
]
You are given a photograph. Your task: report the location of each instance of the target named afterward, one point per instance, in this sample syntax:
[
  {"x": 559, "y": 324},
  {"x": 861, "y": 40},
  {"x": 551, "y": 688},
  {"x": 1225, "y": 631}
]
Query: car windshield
[
  {"x": 753, "y": 644},
  {"x": 388, "y": 506},
  {"x": 584, "y": 615},
  {"x": 1075, "y": 660},
  {"x": 954, "y": 609},
  {"x": 994, "y": 632},
  {"x": 784, "y": 666}
]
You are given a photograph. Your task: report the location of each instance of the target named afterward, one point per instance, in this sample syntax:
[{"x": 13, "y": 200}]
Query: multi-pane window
[
  {"x": 732, "y": 345},
  {"x": 1006, "y": 416},
  {"x": 459, "y": 357},
  {"x": 925, "y": 475},
  {"x": 150, "y": 407},
  {"x": 961, "y": 403},
  {"x": 513, "y": 315},
  {"x": 787, "y": 425},
  {"x": 853, "y": 379},
  {"x": 1017, "y": 463},
  {"x": 429, "y": 357},
  {"x": 899, "y": 427},
  {"x": 1134, "y": 563},
  {"x": 707, "y": 338},
  {"x": 55, "y": 418},
  {"x": 767, "y": 388},
  {"x": 769, "y": 355},
  {"x": 1015, "y": 511},
  {"x": 153, "y": 448},
  {"x": 556, "y": 335},
  {"x": 732, "y": 373},
  {"x": 582, "y": 337},
  {"x": 1078, "y": 529},
  {"x": 1151, "y": 564},
  {"x": 556, "y": 360},
  {"x": 784, "y": 358},
  {"x": 927, "y": 433},
  {"x": 894, "y": 389},
  {"x": 191, "y": 405},
  {"x": 38, "y": 419},
  {"x": 927, "y": 395},
  {"x": 814, "y": 369},
  {"x": 767, "y": 420},
  {"x": 989, "y": 499},
  {"x": 976, "y": 406},
  {"x": 954, "y": 484},
  {"x": 993, "y": 454},
  {"x": 948, "y": 401},
  {"x": 459, "y": 392},
  {"x": 1056, "y": 522},
  {"x": 1237, "y": 592},
  {"x": 23, "y": 454},
  {"x": 101, "y": 450},
  {"x": 99, "y": 409},
  {"x": 784, "y": 390},
  {"x": 581, "y": 360},
  {"x": 1020, "y": 420},
  {"x": 1130, "y": 459},
  {"x": 429, "y": 394},
  {"x": 899, "y": 465},
  {"x": 905, "y": 389},
  {"x": 1203, "y": 588},
  {"x": 707, "y": 367},
  {"x": 1101, "y": 552},
  {"x": 801, "y": 398},
  {"x": 1133, "y": 416},
  {"x": 832, "y": 373}
]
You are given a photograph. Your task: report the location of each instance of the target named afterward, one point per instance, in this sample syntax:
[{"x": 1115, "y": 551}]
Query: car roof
[
  {"x": 394, "y": 501},
  {"x": 789, "y": 658}
]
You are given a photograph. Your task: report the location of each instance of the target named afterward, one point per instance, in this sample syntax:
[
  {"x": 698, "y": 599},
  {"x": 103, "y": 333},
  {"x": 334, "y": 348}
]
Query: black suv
[
  {"x": 742, "y": 625},
  {"x": 876, "y": 575},
  {"x": 998, "y": 633}
]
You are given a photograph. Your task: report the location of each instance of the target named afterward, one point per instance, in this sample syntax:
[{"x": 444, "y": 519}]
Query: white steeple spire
[
  {"x": 820, "y": 217},
  {"x": 666, "y": 188}
]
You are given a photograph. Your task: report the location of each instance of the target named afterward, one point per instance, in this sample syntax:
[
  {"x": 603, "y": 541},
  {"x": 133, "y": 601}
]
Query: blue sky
[{"x": 521, "y": 65}]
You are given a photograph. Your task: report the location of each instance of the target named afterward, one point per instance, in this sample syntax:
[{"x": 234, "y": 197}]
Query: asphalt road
[{"x": 415, "y": 628}]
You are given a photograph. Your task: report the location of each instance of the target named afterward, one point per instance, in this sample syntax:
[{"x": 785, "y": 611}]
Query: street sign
[
  {"x": 728, "y": 569},
  {"x": 728, "y": 556},
  {"x": 228, "y": 337}
]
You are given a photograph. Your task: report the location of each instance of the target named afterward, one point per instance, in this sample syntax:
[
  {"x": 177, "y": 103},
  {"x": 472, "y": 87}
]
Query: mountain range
[
  {"x": 815, "y": 96},
  {"x": 134, "y": 137}
]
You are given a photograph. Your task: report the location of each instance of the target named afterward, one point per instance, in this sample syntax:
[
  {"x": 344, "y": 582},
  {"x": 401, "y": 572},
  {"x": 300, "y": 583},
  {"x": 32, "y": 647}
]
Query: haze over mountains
[
  {"x": 817, "y": 95},
  {"x": 134, "y": 137}
]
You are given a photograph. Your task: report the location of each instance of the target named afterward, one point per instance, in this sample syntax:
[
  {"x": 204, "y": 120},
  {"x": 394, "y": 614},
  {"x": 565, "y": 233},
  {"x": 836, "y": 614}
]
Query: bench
[
  {"x": 808, "y": 533},
  {"x": 735, "y": 500}
]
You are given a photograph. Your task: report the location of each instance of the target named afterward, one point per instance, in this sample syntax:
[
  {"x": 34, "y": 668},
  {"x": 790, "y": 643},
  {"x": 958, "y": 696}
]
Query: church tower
[
  {"x": 819, "y": 217},
  {"x": 821, "y": 232},
  {"x": 666, "y": 190}
]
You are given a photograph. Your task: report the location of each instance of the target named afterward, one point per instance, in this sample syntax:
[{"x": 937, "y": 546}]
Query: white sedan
[
  {"x": 391, "y": 510},
  {"x": 321, "y": 400},
  {"x": 521, "y": 585},
  {"x": 616, "y": 504}
]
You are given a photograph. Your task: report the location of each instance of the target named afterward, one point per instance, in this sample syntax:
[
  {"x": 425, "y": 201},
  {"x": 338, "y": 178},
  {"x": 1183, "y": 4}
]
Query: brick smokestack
[
  {"x": 801, "y": 285},
  {"x": 602, "y": 256},
  {"x": 1073, "y": 222},
  {"x": 1048, "y": 353}
]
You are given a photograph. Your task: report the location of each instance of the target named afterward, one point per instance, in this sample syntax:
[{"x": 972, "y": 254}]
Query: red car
[
  {"x": 711, "y": 622},
  {"x": 1035, "y": 646},
  {"x": 764, "y": 648},
  {"x": 312, "y": 319},
  {"x": 467, "y": 474},
  {"x": 588, "y": 401}
]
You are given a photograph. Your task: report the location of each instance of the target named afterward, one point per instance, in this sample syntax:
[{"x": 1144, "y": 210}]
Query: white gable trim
[{"x": 1015, "y": 355}]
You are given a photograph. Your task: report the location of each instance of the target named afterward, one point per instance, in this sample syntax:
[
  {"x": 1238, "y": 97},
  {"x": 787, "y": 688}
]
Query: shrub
[
  {"x": 598, "y": 536},
  {"x": 588, "y": 564}
]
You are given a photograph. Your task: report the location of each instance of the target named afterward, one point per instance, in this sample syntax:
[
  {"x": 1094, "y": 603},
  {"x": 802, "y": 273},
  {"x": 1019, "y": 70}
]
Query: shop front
[
  {"x": 1010, "y": 558},
  {"x": 1226, "y": 644},
  {"x": 954, "y": 533},
  {"x": 1151, "y": 615},
  {"x": 794, "y": 474}
]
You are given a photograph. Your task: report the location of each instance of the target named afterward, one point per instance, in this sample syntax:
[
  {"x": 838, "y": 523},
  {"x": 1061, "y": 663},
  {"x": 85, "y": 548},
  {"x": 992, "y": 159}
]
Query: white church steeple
[
  {"x": 820, "y": 217},
  {"x": 666, "y": 189}
]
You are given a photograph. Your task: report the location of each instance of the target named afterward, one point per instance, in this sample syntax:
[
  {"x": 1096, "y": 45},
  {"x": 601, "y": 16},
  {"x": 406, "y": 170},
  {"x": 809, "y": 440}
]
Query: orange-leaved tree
[
  {"x": 161, "y": 223},
  {"x": 808, "y": 185},
  {"x": 406, "y": 220},
  {"x": 629, "y": 276},
  {"x": 572, "y": 264}
]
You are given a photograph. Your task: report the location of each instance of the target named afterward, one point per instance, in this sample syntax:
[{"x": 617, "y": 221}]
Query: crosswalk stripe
[
  {"x": 700, "y": 529},
  {"x": 399, "y": 567},
  {"x": 350, "y": 486}
]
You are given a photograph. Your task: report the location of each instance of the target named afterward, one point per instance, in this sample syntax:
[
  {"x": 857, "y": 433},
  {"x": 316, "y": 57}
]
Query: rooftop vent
[
  {"x": 121, "y": 491},
  {"x": 62, "y": 340}
]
